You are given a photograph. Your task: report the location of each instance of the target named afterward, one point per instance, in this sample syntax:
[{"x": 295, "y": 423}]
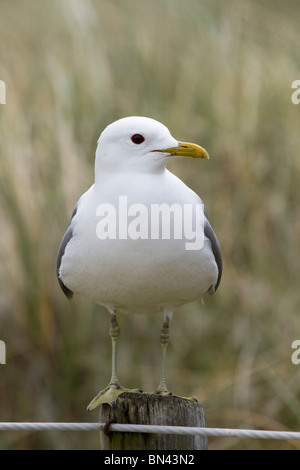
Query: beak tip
[{"x": 186, "y": 149}]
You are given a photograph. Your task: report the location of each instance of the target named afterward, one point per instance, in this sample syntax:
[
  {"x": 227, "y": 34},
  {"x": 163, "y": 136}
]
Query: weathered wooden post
[{"x": 143, "y": 408}]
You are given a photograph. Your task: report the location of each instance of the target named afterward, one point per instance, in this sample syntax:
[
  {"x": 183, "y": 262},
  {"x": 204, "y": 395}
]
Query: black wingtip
[
  {"x": 210, "y": 234},
  {"x": 67, "y": 237},
  {"x": 68, "y": 293}
]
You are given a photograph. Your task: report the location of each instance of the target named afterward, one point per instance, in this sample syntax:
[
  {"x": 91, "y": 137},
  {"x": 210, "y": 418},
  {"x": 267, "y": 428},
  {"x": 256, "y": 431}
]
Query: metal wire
[{"x": 209, "y": 432}]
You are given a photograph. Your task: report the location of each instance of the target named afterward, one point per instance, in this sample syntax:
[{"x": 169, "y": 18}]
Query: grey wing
[
  {"x": 67, "y": 237},
  {"x": 210, "y": 234}
]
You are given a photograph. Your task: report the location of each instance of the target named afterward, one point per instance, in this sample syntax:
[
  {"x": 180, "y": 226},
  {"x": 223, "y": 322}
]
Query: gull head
[{"x": 140, "y": 144}]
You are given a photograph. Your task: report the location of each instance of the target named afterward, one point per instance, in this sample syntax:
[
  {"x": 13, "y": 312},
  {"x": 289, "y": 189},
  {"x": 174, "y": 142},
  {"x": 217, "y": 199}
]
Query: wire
[{"x": 209, "y": 432}]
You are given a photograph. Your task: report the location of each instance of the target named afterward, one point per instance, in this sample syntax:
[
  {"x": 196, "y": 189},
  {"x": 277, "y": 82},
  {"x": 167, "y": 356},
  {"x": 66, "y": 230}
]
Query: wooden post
[{"x": 143, "y": 408}]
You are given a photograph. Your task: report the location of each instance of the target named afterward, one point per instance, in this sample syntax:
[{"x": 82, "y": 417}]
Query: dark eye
[{"x": 137, "y": 139}]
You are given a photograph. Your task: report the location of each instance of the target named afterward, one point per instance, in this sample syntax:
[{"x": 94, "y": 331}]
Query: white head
[{"x": 140, "y": 144}]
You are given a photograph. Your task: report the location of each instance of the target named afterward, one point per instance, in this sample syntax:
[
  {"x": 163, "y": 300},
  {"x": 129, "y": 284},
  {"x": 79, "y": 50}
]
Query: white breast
[{"x": 143, "y": 275}]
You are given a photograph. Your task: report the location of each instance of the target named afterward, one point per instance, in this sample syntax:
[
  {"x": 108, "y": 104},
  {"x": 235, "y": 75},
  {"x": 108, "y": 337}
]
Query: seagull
[{"x": 119, "y": 249}]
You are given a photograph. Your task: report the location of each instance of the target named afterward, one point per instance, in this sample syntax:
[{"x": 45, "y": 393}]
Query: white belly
[{"x": 138, "y": 276}]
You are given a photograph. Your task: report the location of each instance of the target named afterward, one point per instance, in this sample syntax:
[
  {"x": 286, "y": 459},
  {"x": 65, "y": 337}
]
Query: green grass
[{"x": 216, "y": 73}]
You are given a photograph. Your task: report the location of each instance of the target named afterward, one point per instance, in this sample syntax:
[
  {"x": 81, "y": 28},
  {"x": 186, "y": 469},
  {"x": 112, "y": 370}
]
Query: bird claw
[
  {"x": 166, "y": 393},
  {"x": 109, "y": 395},
  {"x": 187, "y": 398}
]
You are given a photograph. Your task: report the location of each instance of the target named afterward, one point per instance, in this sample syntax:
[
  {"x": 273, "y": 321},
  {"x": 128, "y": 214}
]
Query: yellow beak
[{"x": 186, "y": 149}]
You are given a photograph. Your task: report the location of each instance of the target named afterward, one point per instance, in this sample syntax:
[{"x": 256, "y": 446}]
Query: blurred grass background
[{"x": 216, "y": 73}]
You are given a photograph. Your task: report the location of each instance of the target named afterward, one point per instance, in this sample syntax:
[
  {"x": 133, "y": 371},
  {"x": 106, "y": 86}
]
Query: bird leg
[
  {"x": 114, "y": 389},
  {"x": 164, "y": 341},
  {"x": 114, "y": 333}
]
